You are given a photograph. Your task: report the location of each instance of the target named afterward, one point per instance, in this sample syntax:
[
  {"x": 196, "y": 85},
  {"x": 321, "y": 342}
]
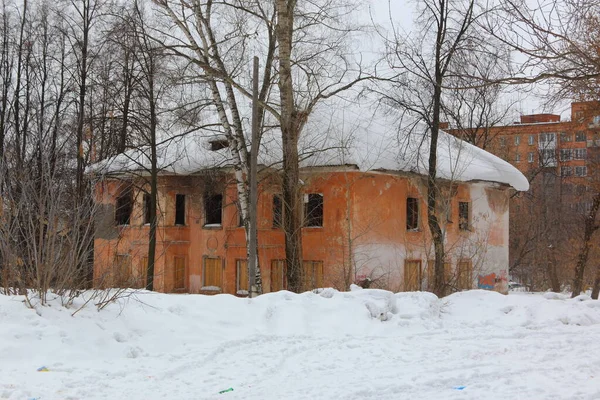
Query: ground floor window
[
  {"x": 179, "y": 273},
  {"x": 213, "y": 274},
  {"x": 412, "y": 275},
  {"x": 277, "y": 275},
  {"x": 313, "y": 274},
  {"x": 242, "y": 276},
  {"x": 464, "y": 275}
]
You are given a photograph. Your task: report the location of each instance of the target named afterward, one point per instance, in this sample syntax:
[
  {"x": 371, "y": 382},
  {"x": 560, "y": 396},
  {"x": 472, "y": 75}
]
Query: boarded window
[
  {"x": 464, "y": 214},
  {"x": 313, "y": 274},
  {"x": 313, "y": 209},
  {"x": 242, "y": 275},
  {"x": 143, "y": 272},
  {"x": 277, "y": 275},
  {"x": 464, "y": 272},
  {"x": 123, "y": 207},
  {"x": 212, "y": 274},
  {"x": 147, "y": 200},
  {"x": 412, "y": 213},
  {"x": 180, "y": 209},
  {"x": 277, "y": 211},
  {"x": 213, "y": 205},
  {"x": 412, "y": 275},
  {"x": 431, "y": 273},
  {"x": 122, "y": 270},
  {"x": 179, "y": 271}
]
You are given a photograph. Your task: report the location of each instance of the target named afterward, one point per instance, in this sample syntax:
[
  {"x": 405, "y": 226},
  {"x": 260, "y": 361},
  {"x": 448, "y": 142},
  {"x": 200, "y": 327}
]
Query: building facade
[{"x": 364, "y": 218}]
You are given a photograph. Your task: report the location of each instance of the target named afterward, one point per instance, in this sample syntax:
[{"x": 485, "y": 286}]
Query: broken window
[
  {"x": 218, "y": 144},
  {"x": 313, "y": 209},
  {"x": 277, "y": 211},
  {"x": 147, "y": 200},
  {"x": 463, "y": 215},
  {"x": 212, "y": 209},
  {"x": 180, "y": 209},
  {"x": 123, "y": 207},
  {"x": 412, "y": 214}
]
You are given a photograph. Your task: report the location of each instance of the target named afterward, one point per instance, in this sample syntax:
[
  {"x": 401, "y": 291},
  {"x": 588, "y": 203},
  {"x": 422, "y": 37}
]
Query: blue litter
[{"x": 459, "y": 387}]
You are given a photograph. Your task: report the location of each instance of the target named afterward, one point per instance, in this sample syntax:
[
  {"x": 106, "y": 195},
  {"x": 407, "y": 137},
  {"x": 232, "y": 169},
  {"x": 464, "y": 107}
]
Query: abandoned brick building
[{"x": 364, "y": 215}]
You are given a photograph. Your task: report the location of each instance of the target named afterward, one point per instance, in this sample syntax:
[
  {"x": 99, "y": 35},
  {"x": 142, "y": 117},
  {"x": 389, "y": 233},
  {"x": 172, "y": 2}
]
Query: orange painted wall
[{"x": 364, "y": 219}]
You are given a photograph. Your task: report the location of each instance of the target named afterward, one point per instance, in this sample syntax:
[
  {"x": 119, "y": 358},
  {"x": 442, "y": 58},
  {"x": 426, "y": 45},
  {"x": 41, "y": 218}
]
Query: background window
[
  {"x": 531, "y": 140},
  {"x": 517, "y": 157},
  {"x": 412, "y": 213},
  {"x": 313, "y": 209},
  {"x": 212, "y": 209},
  {"x": 179, "y": 209},
  {"x": 580, "y": 171},
  {"x": 580, "y": 154},
  {"x": 530, "y": 157},
  {"x": 580, "y": 136},
  {"x": 566, "y": 154},
  {"x": 517, "y": 140}
]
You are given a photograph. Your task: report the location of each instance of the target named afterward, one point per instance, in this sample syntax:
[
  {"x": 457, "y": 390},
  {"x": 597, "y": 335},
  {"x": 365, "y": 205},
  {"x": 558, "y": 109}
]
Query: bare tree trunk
[
  {"x": 291, "y": 125},
  {"x": 590, "y": 228},
  {"x": 596, "y": 288},
  {"x": 85, "y": 14}
]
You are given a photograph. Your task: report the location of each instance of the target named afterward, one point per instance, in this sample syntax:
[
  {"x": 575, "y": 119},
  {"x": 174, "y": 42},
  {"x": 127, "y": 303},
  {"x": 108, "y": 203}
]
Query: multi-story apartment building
[{"x": 559, "y": 157}]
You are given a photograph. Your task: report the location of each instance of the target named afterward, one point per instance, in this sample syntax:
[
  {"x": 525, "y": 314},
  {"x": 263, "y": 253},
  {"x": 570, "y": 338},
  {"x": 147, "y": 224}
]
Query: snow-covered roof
[{"x": 370, "y": 139}]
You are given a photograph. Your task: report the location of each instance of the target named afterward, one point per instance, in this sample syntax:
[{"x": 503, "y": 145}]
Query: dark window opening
[
  {"x": 180, "y": 209},
  {"x": 313, "y": 210},
  {"x": 146, "y": 208},
  {"x": 212, "y": 209},
  {"x": 412, "y": 213},
  {"x": 219, "y": 144},
  {"x": 463, "y": 216},
  {"x": 277, "y": 211},
  {"x": 123, "y": 208}
]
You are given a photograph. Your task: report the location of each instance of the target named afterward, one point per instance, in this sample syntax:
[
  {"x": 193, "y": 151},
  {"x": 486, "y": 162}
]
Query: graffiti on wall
[{"x": 492, "y": 282}]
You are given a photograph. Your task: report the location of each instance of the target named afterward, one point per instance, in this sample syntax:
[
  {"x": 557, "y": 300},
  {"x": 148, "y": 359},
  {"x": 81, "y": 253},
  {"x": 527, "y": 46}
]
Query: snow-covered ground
[{"x": 364, "y": 344}]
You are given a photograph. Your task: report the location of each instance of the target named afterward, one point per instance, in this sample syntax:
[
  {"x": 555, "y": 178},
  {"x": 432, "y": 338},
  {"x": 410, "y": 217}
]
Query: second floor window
[
  {"x": 277, "y": 211},
  {"x": 517, "y": 140},
  {"x": 123, "y": 207},
  {"x": 464, "y": 215},
  {"x": 313, "y": 209},
  {"x": 531, "y": 140},
  {"x": 147, "y": 200},
  {"x": 412, "y": 214},
  {"x": 580, "y": 136},
  {"x": 565, "y": 154},
  {"x": 212, "y": 209},
  {"x": 580, "y": 154},
  {"x": 180, "y": 209}
]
